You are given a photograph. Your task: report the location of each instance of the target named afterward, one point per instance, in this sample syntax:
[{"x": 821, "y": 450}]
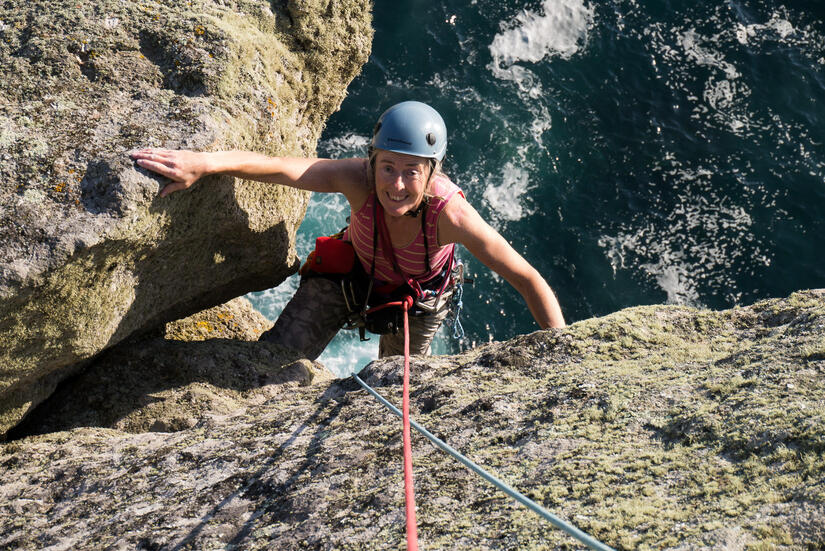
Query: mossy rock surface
[
  {"x": 656, "y": 427},
  {"x": 89, "y": 254},
  {"x": 236, "y": 319}
]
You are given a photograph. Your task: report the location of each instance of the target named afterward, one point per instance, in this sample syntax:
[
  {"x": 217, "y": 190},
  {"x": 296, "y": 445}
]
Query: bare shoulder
[
  {"x": 352, "y": 181},
  {"x": 458, "y": 221},
  {"x": 338, "y": 172},
  {"x": 456, "y": 210},
  {"x": 351, "y": 168}
]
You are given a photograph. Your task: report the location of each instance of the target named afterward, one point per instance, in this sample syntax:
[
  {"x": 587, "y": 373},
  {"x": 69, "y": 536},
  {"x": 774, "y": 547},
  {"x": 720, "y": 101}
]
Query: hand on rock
[{"x": 184, "y": 168}]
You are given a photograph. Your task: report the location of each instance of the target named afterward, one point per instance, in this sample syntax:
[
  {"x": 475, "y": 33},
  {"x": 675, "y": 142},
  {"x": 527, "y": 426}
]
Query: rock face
[
  {"x": 89, "y": 254},
  {"x": 207, "y": 364},
  {"x": 656, "y": 427}
]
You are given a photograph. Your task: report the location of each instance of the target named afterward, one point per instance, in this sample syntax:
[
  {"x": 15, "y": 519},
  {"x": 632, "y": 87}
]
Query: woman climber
[{"x": 405, "y": 218}]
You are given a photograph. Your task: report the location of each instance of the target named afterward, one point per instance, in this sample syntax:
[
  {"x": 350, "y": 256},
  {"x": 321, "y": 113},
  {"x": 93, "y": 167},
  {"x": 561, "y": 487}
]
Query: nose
[{"x": 397, "y": 182}]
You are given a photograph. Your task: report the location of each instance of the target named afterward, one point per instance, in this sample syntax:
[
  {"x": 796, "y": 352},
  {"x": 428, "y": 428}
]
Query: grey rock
[
  {"x": 89, "y": 254},
  {"x": 657, "y": 427}
]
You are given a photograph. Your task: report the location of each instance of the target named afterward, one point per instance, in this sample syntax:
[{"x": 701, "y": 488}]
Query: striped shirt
[{"x": 412, "y": 257}]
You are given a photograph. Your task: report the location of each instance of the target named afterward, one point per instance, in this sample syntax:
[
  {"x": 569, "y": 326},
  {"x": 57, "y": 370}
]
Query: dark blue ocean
[{"x": 635, "y": 152}]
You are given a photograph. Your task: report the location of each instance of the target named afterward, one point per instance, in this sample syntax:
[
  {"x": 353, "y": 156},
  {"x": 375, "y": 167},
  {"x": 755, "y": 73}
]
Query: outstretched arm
[
  {"x": 184, "y": 168},
  {"x": 461, "y": 223}
]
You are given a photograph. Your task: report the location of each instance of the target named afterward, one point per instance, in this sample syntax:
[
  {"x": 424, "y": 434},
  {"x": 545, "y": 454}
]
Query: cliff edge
[{"x": 656, "y": 427}]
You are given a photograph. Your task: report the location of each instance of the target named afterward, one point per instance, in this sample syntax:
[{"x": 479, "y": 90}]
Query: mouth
[{"x": 397, "y": 198}]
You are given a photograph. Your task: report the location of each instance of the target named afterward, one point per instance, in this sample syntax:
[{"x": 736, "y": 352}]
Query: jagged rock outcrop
[
  {"x": 656, "y": 427},
  {"x": 89, "y": 254}
]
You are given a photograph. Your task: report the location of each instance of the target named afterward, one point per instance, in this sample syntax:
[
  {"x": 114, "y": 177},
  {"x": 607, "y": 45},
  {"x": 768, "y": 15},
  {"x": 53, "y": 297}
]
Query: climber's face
[{"x": 400, "y": 181}]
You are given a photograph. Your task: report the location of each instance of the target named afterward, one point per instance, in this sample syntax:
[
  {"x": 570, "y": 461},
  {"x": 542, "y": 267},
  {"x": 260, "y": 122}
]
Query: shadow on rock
[
  {"x": 276, "y": 502},
  {"x": 164, "y": 386}
]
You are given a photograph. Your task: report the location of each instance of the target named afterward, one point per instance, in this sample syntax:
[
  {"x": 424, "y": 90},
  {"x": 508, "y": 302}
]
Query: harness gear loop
[{"x": 453, "y": 317}]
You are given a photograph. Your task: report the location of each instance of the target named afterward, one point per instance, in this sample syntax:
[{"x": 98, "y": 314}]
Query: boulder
[
  {"x": 236, "y": 319},
  {"x": 657, "y": 427},
  {"x": 89, "y": 254},
  {"x": 208, "y": 364}
]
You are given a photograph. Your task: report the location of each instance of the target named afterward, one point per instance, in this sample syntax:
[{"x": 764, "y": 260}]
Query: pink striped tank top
[{"x": 411, "y": 258}]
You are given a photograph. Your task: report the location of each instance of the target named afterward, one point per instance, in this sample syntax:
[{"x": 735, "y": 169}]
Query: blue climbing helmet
[{"x": 413, "y": 128}]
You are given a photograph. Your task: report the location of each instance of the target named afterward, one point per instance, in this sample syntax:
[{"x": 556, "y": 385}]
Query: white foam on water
[
  {"x": 559, "y": 29},
  {"x": 720, "y": 95},
  {"x": 347, "y": 145},
  {"x": 667, "y": 266},
  {"x": 458, "y": 91},
  {"x": 777, "y": 24},
  {"x": 542, "y": 122},
  {"x": 507, "y": 199},
  {"x": 695, "y": 48},
  {"x": 332, "y": 207},
  {"x": 725, "y": 95},
  {"x": 676, "y": 281},
  {"x": 676, "y": 50},
  {"x": 699, "y": 242},
  {"x": 346, "y": 354}
]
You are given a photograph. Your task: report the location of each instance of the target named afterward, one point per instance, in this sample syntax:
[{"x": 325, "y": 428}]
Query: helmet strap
[{"x": 420, "y": 208}]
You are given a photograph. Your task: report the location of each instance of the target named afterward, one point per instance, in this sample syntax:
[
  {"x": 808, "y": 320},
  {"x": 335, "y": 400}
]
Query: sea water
[{"x": 635, "y": 152}]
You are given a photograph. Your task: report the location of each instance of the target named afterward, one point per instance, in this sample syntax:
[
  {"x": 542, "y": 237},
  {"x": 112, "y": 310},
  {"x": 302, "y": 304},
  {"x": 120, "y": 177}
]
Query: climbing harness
[{"x": 362, "y": 294}]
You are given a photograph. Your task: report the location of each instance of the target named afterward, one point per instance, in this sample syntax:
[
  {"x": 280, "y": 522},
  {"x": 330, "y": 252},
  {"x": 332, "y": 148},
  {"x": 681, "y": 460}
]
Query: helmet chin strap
[{"x": 419, "y": 209}]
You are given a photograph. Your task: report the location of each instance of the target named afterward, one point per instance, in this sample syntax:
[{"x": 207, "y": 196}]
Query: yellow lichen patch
[{"x": 220, "y": 322}]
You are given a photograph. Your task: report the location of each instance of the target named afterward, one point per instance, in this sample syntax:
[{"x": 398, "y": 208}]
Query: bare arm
[
  {"x": 461, "y": 223},
  {"x": 185, "y": 168}
]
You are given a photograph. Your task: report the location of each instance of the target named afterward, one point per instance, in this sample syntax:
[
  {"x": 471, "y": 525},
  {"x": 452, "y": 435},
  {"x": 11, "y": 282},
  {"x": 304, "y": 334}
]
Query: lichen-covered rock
[
  {"x": 236, "y": 319},
  {"x": 89, "y": 254},
  {"x": 204, "y": 365},
  {"x": 656, "y": 427}
]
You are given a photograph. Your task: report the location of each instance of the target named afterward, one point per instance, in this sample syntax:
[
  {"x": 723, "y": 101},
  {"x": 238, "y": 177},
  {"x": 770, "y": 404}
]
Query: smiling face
[{"x": 400, "y": 181}]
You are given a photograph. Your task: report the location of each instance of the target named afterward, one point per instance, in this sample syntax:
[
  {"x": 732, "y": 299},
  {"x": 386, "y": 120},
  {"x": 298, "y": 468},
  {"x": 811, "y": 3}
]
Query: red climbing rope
[
  {"x": 412, "y": 535},
  {"x": 412, "y": 531},
  {"x": 409, "y": 496}
]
